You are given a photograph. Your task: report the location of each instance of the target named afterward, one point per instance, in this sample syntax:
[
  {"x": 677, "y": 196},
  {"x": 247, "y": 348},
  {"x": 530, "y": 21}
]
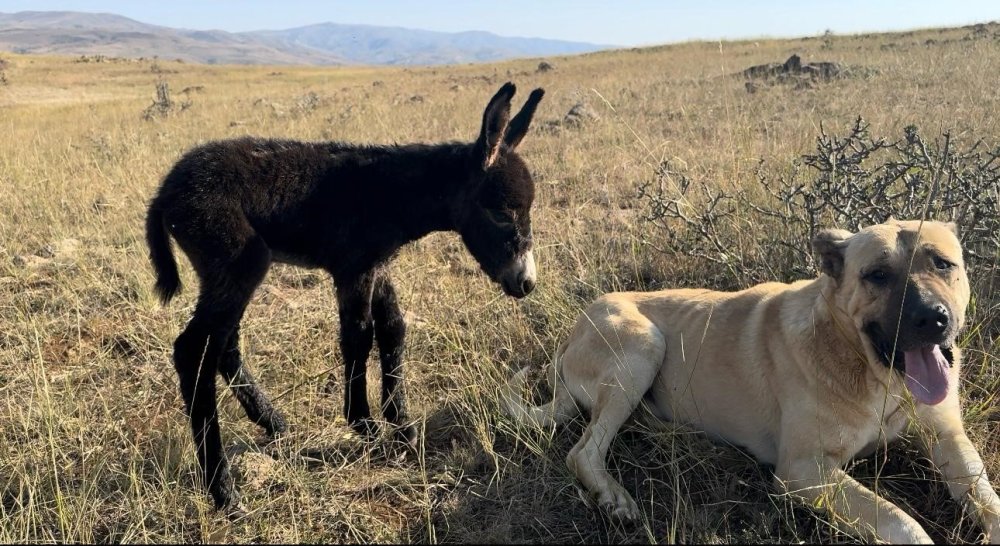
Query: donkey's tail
[
  {"x": 168, "y": 282},
  {"x": 561, "y": 408}
]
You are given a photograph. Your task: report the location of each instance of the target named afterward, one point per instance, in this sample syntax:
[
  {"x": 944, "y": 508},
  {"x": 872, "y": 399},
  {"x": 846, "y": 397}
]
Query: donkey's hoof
[
  {"x": 224, "y": 494},
  {"x": 222, "y": 487},
  {"x": 366, "y": 428},
  {"x": 236, "y": 512},
  {"x": 275, "y": 425},
  {"x": 406, "y": 435}
]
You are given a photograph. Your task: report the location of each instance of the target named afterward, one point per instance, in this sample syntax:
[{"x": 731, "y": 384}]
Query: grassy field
[{"x": 94, "y": 443}]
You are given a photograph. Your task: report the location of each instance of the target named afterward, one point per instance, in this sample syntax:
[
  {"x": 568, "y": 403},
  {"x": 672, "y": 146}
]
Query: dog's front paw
[{"x": 617, "y": 502}]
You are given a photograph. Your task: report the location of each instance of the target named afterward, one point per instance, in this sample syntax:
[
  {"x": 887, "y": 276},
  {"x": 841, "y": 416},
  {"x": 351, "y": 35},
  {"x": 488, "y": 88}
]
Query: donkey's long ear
[
  {"x": 519, "y": 125},
  {"x": 495, "y": 119}
]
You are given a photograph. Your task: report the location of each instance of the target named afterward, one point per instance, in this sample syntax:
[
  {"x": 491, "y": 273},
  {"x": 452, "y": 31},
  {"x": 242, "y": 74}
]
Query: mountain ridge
[{"x": 87, "y": 33}]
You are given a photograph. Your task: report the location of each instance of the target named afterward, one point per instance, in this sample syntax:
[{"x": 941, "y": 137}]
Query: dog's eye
[
  {"x": 877, "y": 276},
  {"x": 942, "y": 263}
]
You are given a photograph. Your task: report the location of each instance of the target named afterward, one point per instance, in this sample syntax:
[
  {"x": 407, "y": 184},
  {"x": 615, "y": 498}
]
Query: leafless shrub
[
  {"x": 164, "y": 105},
  {"x": 763, "y": 230},
  {"x": 827, "y": 39},
  {"x": 308, "y": 102}
]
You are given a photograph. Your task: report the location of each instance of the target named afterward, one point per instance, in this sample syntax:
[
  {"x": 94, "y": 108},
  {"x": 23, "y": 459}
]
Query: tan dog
[{"x": 805, "y": 375}]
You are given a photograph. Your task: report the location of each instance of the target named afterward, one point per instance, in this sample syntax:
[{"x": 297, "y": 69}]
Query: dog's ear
[
  {"x": 952, "y": 227},
  {"x": 829, "y": 245}
]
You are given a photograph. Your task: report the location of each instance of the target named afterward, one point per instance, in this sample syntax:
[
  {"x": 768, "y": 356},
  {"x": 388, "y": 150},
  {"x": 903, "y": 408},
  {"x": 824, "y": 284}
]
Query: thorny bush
[{"x": 762, "y": 230}]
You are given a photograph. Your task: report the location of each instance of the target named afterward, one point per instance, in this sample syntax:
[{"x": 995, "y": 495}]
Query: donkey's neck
[
  {"x": 375, "y": 199},
  {"x": 416, "y": 187}
]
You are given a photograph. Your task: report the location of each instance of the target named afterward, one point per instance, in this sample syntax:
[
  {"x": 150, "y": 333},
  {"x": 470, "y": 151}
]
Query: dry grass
[{"x": 94, "y": 445}]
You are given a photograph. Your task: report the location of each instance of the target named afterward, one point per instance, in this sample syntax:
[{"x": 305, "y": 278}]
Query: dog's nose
[{"x": 932, "y": 320}]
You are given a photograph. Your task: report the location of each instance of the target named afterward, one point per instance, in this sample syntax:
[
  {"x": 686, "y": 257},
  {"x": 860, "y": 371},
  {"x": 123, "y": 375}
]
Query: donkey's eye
[
  {"x": 942, "y": 263},
  {"x": 500, "y": 217},
  {"x": 877, "y": 276}
]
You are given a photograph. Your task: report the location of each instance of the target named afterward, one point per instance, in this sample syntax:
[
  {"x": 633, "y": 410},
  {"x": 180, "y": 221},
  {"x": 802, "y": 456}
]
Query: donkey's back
[{"x": 314, "y": 204}]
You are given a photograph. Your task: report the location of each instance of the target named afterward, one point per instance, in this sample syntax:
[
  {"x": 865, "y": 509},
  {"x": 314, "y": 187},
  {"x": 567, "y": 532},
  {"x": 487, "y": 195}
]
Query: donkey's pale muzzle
[{"x": 518, "y": 278}]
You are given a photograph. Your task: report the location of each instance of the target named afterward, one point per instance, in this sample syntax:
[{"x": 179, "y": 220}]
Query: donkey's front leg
[
  {"x": 390, "y": 332},
  {"x": 354, "y": 298}
]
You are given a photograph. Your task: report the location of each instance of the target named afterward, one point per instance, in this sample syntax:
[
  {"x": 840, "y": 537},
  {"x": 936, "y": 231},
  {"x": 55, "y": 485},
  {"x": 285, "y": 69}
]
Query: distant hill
[
  {"x": 74, "y": 33},
  {"x": 77, "y": 33},
  {"x": 392, "y": 45}
]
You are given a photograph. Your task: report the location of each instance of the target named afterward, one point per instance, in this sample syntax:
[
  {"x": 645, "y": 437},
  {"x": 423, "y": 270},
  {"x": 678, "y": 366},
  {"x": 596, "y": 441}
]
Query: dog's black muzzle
[{"x": 890, "y": 348}]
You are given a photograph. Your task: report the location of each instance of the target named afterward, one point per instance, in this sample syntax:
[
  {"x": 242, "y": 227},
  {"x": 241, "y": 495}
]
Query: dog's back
[{"x": 711, "y": 374}]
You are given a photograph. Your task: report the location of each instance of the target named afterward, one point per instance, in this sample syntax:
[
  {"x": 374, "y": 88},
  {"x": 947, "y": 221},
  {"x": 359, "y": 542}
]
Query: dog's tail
[
  {"x": 561, "y": 408},
  {"x": 168, "y": 281}
]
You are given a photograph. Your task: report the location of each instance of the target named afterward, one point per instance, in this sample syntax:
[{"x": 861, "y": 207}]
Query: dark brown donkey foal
[{"x": 234, "y": 206}]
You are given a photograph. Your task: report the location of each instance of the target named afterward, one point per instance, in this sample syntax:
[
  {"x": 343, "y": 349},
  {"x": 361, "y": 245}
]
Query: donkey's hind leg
[
  {"x": 225, "y": 290},
  {"x": 256, "y": 404},
  {"x": 196, "y": 353}
]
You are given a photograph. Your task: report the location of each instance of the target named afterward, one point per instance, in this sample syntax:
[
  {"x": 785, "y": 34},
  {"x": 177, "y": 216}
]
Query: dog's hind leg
[{"x": 628, "y": 352}]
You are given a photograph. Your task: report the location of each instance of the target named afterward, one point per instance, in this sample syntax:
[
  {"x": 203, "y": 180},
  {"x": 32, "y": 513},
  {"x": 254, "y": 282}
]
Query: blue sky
[{"x": 627, "y": 23}]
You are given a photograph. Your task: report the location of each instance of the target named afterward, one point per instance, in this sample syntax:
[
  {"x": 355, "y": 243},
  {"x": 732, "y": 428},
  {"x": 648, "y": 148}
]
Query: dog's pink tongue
[{"x": 927, "y": 374}]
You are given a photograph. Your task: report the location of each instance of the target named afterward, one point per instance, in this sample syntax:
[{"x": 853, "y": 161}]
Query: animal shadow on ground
[{"x": 495, "y": 483}]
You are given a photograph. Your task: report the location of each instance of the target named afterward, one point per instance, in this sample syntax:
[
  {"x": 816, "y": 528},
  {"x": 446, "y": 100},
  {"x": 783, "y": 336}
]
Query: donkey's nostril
[{"x": 527, "y": 285}]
